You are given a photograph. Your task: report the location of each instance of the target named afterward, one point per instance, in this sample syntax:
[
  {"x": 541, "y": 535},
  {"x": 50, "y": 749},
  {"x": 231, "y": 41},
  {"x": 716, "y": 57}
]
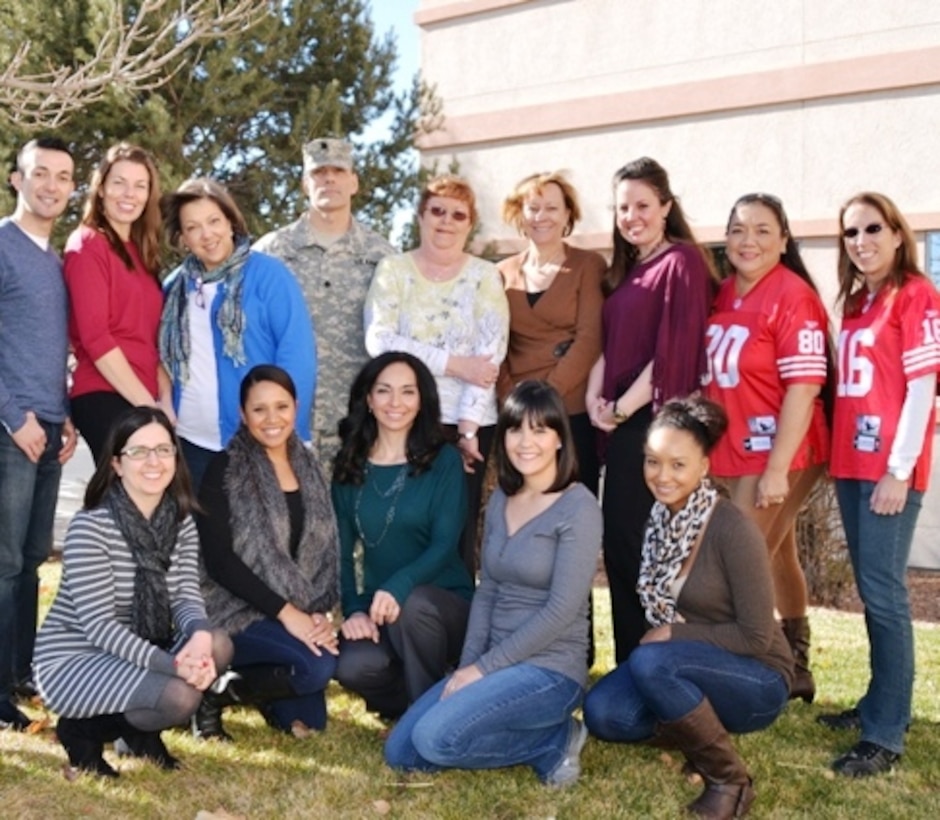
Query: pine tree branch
[{"x": 136, "y": 54}]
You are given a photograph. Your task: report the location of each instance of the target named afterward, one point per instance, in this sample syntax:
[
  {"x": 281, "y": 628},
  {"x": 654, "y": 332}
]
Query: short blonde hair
[{"x": 535, "y": 184}]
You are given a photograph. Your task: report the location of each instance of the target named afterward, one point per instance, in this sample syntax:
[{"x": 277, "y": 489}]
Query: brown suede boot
[
  {"x": 797, "y": 633},
  {"x": 704, "y": 741}
]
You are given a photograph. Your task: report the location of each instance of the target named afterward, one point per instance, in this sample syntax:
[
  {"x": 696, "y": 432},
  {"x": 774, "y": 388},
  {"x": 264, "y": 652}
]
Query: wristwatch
[
  {"x": 619, "y": 416},
  {"x": 469, "y": 435}
]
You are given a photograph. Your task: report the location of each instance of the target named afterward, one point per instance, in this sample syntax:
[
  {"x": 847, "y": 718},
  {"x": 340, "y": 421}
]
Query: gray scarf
[
  {"x": 151, "y": 544},
  {"x": 260, "y": 525}
]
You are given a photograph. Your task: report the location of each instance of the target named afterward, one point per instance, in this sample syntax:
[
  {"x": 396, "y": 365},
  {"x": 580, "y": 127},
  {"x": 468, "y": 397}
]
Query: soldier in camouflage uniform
[{"x": 333, "y": 257}]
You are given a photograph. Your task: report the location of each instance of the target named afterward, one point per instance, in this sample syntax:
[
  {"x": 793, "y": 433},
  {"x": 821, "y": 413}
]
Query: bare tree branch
[{"x": 134, "y": 55}]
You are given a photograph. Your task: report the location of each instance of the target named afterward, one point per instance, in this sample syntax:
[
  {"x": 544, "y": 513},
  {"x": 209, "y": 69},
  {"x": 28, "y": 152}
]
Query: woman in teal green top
[{"x": 399, "y": 493}]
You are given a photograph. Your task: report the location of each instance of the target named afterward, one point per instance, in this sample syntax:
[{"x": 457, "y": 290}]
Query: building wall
[{"x": 812, "y": 101}]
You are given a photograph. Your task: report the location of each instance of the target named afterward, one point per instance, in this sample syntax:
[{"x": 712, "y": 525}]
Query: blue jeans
[
  {"x": 28, "y": 494},
  {"x": 520, "y": 714},
  {"x": 879, "y": 546},
  {"x": 197, "y": 460},
  {"x": 662, "y": 682},
  {"x": 268, "y": 642}
]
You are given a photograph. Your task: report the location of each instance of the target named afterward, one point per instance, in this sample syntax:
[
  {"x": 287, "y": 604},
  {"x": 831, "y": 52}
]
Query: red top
[
  {"x": 758, "y": 345},
  {"x": 111, "y": 307},
  {"x": 882, "y": 346}
]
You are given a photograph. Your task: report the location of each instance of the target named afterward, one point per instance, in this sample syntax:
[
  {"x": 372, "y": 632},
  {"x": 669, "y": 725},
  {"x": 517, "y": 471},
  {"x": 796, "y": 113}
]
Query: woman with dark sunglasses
[
  {"x": 767, "y": 366},
  {"x": 882, "y": 435},
  {"x": 448, "y": 308}
]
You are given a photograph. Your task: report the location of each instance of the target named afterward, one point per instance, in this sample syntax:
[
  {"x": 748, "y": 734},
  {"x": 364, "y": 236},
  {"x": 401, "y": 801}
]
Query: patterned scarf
[
  {"x": 667, "y": 543},
  {"x": 260, "y": 525},
  {"x": 151, "y": 544},
  {"x": 174, "y": 340}
]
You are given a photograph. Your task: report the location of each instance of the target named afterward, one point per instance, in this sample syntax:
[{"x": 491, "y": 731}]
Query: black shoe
[
  {"x": 848, "y": 719},
  {"x": 865, "y": 759},
  {"x": 12, "y": 718},
  {"x": 83, "y": 740},
  {"x": 207, "y": 722},
  {"x": 149, "y": 745},
  {"x": 25, "y": 690}
]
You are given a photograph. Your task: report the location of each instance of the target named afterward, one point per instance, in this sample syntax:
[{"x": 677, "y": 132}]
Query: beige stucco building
[{"x": 811, "y": 100}]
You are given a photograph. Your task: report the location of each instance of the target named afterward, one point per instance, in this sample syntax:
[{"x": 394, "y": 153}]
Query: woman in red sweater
[{"x": 111, "y": 271}]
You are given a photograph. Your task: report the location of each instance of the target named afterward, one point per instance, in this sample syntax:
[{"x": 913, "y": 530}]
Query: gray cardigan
[{"x": 532, "y": 602}]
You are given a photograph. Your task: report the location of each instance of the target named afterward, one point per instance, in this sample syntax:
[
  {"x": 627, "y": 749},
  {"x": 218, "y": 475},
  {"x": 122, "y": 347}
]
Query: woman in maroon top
[
  {"x": 659, "y": 287},
  {"x": 111, "y": 270}
]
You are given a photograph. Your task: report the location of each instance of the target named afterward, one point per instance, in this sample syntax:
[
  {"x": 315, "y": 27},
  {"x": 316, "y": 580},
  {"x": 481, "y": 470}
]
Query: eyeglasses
[
  {"x": 141, "y": 453},
  {"x": 871, "y": 230},
  {"x": 439, "y": 212}
]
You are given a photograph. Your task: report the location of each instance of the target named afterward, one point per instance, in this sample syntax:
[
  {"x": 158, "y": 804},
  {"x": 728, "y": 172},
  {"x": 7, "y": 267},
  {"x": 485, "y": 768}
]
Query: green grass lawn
[{"x": 340, "y": 773}]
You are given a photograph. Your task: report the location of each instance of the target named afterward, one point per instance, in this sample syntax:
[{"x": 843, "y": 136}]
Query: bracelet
[{"x": 619, "y": 416}]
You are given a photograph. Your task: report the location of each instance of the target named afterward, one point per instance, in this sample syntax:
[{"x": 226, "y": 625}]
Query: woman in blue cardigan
[{"x": 227, "y": 309}]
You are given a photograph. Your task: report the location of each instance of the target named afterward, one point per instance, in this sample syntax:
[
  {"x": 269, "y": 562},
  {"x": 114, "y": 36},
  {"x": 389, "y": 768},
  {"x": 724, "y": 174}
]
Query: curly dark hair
[{"x": 359, "y": 429}]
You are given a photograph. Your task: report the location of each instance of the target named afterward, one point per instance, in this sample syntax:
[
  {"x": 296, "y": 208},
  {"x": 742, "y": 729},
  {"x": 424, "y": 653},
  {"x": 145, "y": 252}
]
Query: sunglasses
[
  {"x": 871, "y": 230},
  {"x": 438, "y": 212}
]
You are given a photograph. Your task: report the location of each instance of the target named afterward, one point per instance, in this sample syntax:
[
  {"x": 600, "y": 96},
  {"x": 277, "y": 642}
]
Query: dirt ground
[{"x": 924, "y": 586}]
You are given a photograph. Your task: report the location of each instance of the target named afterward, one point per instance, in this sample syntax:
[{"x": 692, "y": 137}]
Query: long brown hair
[
  {"x": 145, "y": 232},
  {"x": 905, "y": 257},
  {"x": 677, "y": 229}
]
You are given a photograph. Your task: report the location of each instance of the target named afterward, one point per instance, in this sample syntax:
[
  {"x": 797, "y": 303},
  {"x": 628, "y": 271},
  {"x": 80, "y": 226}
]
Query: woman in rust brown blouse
[{"x": 554, "y": 293}]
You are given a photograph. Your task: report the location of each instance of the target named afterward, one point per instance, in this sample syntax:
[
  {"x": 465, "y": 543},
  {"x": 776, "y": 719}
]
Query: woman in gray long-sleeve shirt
[{"x": 523, "y": 667}]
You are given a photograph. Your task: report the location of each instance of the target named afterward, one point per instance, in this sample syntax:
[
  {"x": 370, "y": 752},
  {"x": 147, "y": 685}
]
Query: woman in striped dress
[{"x": 126, "y": 649}]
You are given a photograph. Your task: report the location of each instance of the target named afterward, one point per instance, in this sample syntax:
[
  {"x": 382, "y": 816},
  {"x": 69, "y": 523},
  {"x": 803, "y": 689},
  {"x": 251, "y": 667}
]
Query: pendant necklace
[{"x": 394, "y": 491}]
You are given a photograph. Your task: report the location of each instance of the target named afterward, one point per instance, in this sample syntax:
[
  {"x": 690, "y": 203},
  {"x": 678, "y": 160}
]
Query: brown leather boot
[
  {"x": 797, "y": 633},
  {"x": 704, "y": 741}
]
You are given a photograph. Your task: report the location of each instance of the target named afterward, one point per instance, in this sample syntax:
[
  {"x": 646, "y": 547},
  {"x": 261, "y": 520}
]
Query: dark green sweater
[{"x": 418, "y": 546}]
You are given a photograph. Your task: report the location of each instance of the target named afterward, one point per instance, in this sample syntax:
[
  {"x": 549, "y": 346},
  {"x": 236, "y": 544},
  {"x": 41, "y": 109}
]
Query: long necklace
[{"x": 393, "y": 492}]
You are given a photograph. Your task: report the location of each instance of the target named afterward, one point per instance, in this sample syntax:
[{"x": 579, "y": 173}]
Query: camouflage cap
[{"x": 326, "y": 151}]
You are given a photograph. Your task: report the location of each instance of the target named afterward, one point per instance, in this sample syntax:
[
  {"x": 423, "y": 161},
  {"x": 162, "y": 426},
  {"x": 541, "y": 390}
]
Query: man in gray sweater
[{"x": 36, "y": 436}]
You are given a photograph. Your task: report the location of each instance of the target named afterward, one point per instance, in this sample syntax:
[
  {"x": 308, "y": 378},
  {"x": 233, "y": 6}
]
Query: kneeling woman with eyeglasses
[
  {"x": 523, "y": 667},
  {"x": 715, "y": 660},
  {"x": 126, "y": 649}
]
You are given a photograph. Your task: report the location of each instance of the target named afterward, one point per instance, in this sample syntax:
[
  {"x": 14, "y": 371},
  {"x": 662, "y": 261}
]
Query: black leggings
[
  {"x": 627, "y": 504},
  {"x": 94, "y": 414}
]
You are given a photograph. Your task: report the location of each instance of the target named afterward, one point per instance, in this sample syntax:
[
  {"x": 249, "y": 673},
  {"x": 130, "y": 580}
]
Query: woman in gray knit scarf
[{"x": 270, "y": 554}]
